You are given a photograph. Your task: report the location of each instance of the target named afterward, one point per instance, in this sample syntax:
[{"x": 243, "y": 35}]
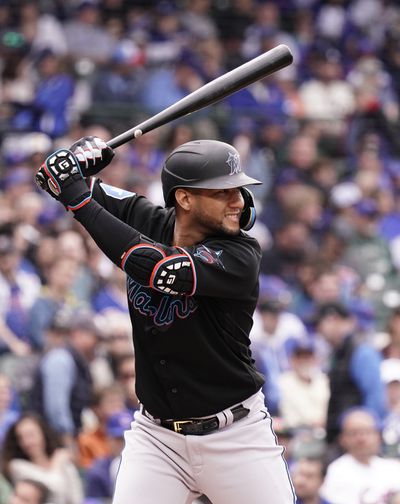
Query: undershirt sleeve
[{"x": 111, "y": 234}]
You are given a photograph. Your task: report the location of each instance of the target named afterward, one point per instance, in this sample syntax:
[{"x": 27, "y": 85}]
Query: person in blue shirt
[{"x": 354, "y": 368}]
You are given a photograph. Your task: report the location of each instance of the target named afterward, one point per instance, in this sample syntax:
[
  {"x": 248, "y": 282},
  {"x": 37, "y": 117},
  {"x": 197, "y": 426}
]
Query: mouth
[{"x": 233, "y": 217}]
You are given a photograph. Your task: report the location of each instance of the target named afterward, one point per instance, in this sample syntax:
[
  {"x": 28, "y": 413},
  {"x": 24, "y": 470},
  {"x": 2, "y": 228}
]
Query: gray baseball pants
[{"x": 241, "y": 463}]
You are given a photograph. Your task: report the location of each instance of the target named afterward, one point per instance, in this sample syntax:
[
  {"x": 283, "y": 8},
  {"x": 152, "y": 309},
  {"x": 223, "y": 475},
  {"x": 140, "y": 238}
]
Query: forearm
[
  {"x": 59, "y": 374},
  {"x": 11, "y": 340},
  {"x": 112, "y": 235}
]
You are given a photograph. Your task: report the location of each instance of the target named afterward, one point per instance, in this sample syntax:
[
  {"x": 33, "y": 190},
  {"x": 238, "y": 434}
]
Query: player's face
[{"x": 217, "y": 211}]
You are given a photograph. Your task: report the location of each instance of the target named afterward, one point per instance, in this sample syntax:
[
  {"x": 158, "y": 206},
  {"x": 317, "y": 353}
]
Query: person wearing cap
[
  {"x": 100, "y": 477},
  {"x": 304, "y": 389},
  {"x": 366, "y": 251},
  {"x": 354, "y": 374},
  {"x": 192, "y": 284},
  {"x": 276, "y": 330},
  {"x": 63, "y": 385}
]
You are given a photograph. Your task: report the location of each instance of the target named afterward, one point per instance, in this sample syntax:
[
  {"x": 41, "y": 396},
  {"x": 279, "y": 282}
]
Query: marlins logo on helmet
[{"x": 234, "y": 163}]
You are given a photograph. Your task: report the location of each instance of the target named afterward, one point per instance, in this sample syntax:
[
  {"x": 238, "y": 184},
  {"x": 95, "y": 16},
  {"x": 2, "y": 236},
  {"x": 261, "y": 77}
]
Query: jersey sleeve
[
  {"x": 129, "y": 207},
  {"x": 227, "y": 267}
]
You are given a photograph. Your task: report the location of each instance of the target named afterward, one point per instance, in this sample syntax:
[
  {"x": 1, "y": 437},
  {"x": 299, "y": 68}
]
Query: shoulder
[
  {"x": 342, "y": 464},
  {"x": 366, "y": 351},
  {"x": 240, "y": 245},
  {"x": 58, "y": 357},
  {"x": 20, "y": 468}
]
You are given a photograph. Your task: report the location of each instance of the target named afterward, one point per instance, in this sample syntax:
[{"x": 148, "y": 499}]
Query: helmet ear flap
[{"x": 248, "y": 217}]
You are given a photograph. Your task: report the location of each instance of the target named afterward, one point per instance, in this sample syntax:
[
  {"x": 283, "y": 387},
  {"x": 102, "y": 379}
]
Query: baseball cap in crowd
[
  {"x": 345, "y": 194},
  {"x": 367, "y": 208},
  {"x": 85, "y": 321},
  {"x": 336, "y": 309},
  {"x": 128, "y": 53},
  {"x": 302, "y": 348},
  {"x": 390, "y": 370},
  {"x": 17, "y": 177},
  {"x": 88, "y": 4},
  {"x": 287, "y": 176},
  {"x": 393, "y": 168},
  {"x": 274, "y": 293},
  {"x": 118, "y": 423},
  {"x": 6, "y": 245}
]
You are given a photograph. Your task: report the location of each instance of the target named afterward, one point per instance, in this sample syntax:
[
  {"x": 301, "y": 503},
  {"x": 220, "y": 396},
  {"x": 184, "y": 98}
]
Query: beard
[{"x": 214, "y": 227}]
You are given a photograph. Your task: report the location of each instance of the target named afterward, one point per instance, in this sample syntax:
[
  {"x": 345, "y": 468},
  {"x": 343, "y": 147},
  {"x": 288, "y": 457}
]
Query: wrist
[{"x": 75, "y": 195}]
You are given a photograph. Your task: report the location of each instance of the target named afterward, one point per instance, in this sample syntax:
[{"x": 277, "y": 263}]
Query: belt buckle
[{"x": 177, "y": 424}]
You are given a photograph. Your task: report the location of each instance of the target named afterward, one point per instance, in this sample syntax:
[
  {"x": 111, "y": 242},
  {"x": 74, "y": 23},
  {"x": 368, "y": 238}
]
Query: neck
[
  {"x": 185, "y": 236},
  {"x": 311, "y": 500},
  {"x": 41, "y": 459},
  {"x": 365, "y": 460}
]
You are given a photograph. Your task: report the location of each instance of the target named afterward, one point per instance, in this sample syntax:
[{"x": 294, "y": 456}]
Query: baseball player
[{"x": 192, "y": 285}]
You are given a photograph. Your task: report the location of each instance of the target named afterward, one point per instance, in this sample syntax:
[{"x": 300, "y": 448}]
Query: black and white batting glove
[
  {"x": 93, "y": 154},
  {"x": 60, "y": 175}
]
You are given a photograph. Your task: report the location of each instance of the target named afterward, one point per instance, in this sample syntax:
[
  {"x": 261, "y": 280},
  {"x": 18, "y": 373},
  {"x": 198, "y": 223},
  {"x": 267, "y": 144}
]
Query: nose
[{"x": 236, "y": 199}]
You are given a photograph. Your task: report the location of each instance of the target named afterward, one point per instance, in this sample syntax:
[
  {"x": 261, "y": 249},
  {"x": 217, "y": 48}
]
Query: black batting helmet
[{"x": 205, "y": 164}]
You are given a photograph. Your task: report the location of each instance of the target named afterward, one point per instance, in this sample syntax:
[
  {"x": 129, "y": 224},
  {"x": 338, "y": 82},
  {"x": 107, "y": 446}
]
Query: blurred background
[{"x": 322, "y": 135}]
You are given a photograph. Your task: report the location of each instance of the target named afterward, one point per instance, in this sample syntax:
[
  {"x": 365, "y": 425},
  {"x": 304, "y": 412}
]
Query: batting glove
[
  {"x": 93, "y": 154},
  {"x": 60, "y": 175}
]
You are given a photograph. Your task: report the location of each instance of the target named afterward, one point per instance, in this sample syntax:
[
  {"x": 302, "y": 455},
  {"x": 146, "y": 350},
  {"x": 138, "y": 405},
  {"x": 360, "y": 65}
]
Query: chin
[{"x": 230, "y": 231}]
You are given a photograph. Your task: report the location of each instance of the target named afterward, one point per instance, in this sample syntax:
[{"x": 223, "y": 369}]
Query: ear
[{"x": 183, "y": 198}]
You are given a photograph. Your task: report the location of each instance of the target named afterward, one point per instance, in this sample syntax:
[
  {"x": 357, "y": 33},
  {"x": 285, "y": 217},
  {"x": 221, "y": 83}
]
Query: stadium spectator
[
  {"x": 392, "y": 347},
  {"x": 327, "y": 97},
  {"x": 47, "y": 112},
  {"x": 9, "y": 407},
  {"x": 93, "y": 443},
  {"x": 117, "y": 336},
  {"x": 28, "y": 491},
  {"x": 345, "y": 155},
  {"x": 292, "y": 244},
  {"x": 18, "y": 292},
  {"x": 63, "y": 387},
  {"x": 390, "y": 372},
  {"x": 308, "y": 475},
  {"x": 273, "y": 340},
  {"x": 71, "y": 243},
  {"x": 32, "y": 451},
  {"x": 56, "y": 295},
  {"x": 360, "y": 474},
  {"x": 304, "y": 390},
  {"x": 354, "y": 374},
  {"x": 118, "y": 84},
  {"x": 100, "y": 478},
  {"x": 125, "y": 375},
  {"x": 176, "y": 81},
  {"x": 85, "y": 35},
  {"x": 41, "y": 29}
]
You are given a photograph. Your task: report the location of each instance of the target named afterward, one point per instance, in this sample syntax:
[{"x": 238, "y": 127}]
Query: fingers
[{"x": 90, "y": 150}]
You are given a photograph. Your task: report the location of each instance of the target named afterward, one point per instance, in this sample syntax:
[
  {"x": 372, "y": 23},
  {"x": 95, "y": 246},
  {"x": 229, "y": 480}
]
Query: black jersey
[{"x": 192, "y": 351}]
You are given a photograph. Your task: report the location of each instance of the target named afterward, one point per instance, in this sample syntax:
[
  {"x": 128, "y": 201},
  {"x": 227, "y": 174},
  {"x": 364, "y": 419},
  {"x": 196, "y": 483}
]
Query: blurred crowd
[{"x": 322, "y": 135}]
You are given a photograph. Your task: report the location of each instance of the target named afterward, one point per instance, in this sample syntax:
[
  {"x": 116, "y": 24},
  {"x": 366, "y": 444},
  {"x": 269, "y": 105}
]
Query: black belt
[{"x": 201, "y": 426}]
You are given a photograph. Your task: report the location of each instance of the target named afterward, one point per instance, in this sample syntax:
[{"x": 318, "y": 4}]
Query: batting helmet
[{"x": 205, "y": 164}]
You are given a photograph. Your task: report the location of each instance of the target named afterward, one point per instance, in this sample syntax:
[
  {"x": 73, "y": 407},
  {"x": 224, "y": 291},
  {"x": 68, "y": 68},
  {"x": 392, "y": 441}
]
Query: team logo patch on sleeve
[
  {"x": 209, "y": 256},
  {"x": 115, "y": 192}
]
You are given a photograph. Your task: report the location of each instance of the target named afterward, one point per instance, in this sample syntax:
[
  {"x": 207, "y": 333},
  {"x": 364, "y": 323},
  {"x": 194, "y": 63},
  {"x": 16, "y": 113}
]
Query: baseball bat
[{"x": 227, "y": 84}]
